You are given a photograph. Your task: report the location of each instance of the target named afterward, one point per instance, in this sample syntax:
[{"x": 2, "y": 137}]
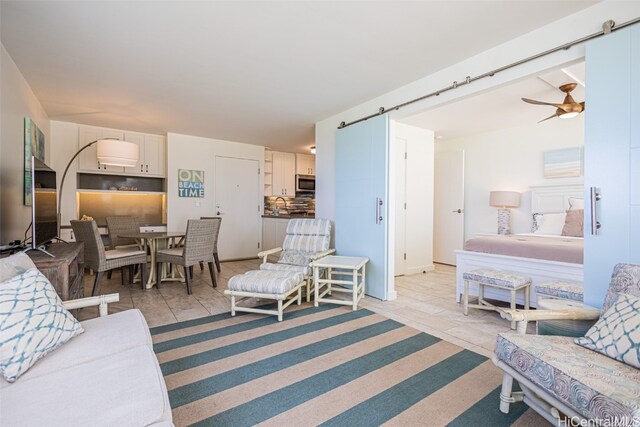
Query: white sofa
[{"x": 106, "y": 376}]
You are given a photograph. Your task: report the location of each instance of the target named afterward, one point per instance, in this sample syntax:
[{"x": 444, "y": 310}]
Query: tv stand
[
  {"x": 64, "y": 270},
  {"x": 40, "y": 249}
]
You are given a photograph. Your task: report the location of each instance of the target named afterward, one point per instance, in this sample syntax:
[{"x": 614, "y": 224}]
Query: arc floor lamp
[{"x": 111, "y": 151}]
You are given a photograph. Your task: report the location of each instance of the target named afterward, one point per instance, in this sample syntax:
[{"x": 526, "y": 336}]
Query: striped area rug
[{"x": 324, "y": 366}]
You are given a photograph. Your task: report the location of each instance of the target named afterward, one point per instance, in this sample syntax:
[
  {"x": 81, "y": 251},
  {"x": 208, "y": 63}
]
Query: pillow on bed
[
  {"x": 574, "y": 223},
  {"x": 549, "y": 223},
  {"x": 576, "y": 203}
]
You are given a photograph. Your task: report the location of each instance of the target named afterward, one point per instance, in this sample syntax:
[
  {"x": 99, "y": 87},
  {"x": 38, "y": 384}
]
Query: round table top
[{"x": 153, "y": 235}]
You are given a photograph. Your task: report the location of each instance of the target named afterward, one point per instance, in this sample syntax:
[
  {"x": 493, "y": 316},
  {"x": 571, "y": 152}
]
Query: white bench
[
  {"x": 264, "y": 284},
  {"x": 497, "y": 279},
  {"x": 560, "y": 289}
]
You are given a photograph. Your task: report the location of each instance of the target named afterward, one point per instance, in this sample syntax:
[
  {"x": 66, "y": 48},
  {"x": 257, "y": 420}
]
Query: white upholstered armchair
[{"x": 306, "y": 241}]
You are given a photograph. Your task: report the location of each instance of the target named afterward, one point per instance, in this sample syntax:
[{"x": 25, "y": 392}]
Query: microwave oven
[{"x": 305, "y": 183}]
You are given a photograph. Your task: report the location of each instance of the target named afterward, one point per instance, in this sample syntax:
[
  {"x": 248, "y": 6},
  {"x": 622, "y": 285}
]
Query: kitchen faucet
[{"x": 275, "y": 204}]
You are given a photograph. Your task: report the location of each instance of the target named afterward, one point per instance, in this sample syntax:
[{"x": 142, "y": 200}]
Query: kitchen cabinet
[
  {"x": 283, "y": 174},
  {"x": 88, "y": 159},
  {"x": 151, "y": 154},
  {"x": 305, "y": 164},
  {"x": 273, "y": 232}
]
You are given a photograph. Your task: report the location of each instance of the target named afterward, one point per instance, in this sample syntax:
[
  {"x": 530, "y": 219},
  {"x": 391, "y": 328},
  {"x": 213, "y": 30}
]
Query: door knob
[{"x": 457, "y": 211}]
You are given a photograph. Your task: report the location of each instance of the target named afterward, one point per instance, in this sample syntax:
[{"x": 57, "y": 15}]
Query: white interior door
[
  {"x": 399, "y": 151},
  {"x": 237, "y": 202},
  {"x": 448, "y": 215},
  {"x": 362, "y": 198}
]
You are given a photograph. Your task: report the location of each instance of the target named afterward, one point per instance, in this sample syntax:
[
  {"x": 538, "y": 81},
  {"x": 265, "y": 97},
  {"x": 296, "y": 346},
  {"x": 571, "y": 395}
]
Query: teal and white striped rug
[{"x": 325, "y": 366}]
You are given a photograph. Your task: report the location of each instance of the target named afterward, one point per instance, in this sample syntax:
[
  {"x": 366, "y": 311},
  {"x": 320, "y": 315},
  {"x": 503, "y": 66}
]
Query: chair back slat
[
  {"x": 199, "y": 240},
  {"x": 218, "y": 222},
  {"x": 118, "y": 225},
  {"x": 87, "y": 233}
]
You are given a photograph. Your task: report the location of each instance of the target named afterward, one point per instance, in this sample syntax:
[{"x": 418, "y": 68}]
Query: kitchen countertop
[{"x": 288, "y": 216}]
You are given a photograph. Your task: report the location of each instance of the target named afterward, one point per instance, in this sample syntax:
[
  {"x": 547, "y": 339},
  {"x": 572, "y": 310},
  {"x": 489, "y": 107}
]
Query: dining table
[{"x": 155, "y": 240}]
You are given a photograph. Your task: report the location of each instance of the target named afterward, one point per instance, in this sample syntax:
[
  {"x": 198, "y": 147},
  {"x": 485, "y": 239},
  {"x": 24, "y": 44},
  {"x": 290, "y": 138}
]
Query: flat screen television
[{"x": 44, "y": 196}]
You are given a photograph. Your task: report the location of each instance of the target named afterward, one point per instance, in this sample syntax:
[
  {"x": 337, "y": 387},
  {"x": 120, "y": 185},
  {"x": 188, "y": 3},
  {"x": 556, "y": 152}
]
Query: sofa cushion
[
  {"x": 122, "y": 389},
  {"x": 103, "y": 335},
  {"x": 625, "y": 279},
  {"x": 596, "y": 386},
  {"x": 33, "y": 322},
  {"x": 617, "y": 333}
]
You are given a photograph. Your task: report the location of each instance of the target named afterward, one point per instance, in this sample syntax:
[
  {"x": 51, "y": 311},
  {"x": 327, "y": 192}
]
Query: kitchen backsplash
[{"x": 302, "y": 203}]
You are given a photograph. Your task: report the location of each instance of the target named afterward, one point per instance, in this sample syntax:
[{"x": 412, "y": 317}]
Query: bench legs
[
  {"x": 283, "y": 301},
  {"x": 485, "y": 305}
]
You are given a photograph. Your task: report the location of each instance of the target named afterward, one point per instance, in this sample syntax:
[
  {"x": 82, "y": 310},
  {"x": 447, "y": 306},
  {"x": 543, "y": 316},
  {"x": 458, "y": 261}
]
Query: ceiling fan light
[{"x": 568, "y": 115}]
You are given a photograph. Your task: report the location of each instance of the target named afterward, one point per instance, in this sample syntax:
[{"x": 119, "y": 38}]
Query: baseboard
[
  {"x": 393, "y": 295},
  {"x": 420, "y": 269}
]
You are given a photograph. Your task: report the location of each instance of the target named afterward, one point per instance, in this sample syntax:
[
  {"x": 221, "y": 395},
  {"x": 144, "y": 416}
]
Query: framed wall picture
[
  {"x": 190, "y": 183},
  {"x": 33, "y": 146},
  {"x": 563, "y": 163}
]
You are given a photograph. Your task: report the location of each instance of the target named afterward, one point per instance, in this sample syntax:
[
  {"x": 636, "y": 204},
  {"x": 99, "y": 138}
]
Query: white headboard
[{"x": 554, "y": 198}]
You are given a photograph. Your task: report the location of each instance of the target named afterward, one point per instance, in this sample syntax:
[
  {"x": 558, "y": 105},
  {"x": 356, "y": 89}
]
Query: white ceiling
[
  {"x": 260, "y": 72},
  {"x": 503, "y": 107}
]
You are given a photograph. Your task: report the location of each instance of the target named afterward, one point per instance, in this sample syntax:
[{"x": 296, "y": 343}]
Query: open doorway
[{"x": 495, "y": 141}]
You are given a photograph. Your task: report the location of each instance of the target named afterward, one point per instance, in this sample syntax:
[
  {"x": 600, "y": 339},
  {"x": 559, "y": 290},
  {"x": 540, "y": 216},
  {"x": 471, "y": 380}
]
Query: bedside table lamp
[{"x": 504, "y": 200}]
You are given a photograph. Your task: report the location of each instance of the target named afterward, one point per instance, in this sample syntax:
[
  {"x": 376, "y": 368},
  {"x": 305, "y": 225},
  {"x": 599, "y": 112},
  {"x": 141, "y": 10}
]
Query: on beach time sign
[{"x": 190, "y": 183}]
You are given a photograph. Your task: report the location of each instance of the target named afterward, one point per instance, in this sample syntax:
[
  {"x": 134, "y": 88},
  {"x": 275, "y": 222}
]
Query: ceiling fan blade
[
  {"x": 533, "y": 101},
  {"x": 550, "y": 117}
]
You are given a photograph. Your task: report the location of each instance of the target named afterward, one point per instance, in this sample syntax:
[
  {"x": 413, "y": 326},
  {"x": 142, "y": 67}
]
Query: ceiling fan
[{"x": 569, "y": 107}]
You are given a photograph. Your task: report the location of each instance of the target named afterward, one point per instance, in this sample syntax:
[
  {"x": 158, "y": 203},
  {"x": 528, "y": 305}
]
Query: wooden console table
[{"x": 65, "y": 271}]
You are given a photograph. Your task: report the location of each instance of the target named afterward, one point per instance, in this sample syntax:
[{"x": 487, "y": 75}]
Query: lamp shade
[
  {"x": 504, "y": 199},
  {"x": 117, "y": 153}
]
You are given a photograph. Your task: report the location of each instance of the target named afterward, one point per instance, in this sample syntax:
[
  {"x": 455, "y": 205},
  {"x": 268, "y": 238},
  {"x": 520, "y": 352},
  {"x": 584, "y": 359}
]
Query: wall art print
[
  {"x": 33, "y": 146},
  {"x": 563, "y": 163},
  {"x": 190, "y": 183}
]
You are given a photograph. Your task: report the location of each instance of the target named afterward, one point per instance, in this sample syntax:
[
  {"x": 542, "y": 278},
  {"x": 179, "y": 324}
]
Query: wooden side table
[
  {"x": 64, "y": 270},
  {"x": 339, "y": 266}
]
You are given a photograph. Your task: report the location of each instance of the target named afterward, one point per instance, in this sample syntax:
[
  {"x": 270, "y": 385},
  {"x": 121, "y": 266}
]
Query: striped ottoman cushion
[
  {"x": 562, "y": 289},
  {"x": 505, "y": 279},
  {"x": 265, "y": 282}
]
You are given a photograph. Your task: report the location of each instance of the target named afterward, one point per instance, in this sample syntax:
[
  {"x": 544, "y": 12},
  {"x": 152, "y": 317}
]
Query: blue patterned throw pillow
[
  {"x": 617, "y": 333},
  {"x": 33, "y": 322}
]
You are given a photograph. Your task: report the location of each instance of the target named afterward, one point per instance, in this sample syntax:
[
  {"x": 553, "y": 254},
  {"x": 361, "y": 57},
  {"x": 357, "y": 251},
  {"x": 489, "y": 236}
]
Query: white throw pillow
[
  {"x": 15, "y": 264},
  {"x": 576, "y": 203},
  {"x": 550, "y": 224},
  {"x": 33, "y": 322}
]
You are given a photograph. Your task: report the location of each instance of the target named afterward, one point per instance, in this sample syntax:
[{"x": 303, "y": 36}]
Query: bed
[{"x": 543, "y": 257}]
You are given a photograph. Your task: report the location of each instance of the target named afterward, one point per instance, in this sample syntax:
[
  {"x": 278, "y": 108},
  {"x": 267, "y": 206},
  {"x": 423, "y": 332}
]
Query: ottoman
[
  {"x": 276, "y": 285},
  {"x": 560, "y": 289}
]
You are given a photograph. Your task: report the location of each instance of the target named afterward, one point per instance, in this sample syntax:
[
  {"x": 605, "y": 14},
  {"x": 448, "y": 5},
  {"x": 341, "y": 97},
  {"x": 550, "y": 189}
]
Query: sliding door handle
[
  {"x": 379, "y": 205},
  {"x": 594, "y": 198}
]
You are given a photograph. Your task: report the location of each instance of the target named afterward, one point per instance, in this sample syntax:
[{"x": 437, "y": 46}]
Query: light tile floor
[{"x": 425, "y": 302}]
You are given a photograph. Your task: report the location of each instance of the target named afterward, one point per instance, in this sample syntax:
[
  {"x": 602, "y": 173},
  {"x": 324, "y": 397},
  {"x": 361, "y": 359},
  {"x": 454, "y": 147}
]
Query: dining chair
[
  {"x": 100, "y": 260},
  {"x": 198, "y": 247},
  {"x": 119, "y": 225},
  {"x": 218, "y": 221}
]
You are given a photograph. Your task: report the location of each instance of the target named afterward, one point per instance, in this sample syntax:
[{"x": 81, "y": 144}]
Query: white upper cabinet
[
  {"x": 88, "y": 159},
  {"x": 151, "y": 157},
  {"x": 151, "y": 160},
  {"x": 284, "y": 174},
  {"x": 305, "y": 164}
]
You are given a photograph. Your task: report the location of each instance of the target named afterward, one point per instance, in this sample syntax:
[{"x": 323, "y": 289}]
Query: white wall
[
  {"x": 192, "y": 152},
  {"x": 573, "y": 27},
  {"x": 412, "y": 181},
  {"x": 17, "y": 101},
  {"x": 510, "y": 159}
]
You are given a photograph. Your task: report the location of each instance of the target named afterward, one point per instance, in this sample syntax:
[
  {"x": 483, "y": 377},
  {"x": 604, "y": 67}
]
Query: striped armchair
[{"x": 306, "y": 241}]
